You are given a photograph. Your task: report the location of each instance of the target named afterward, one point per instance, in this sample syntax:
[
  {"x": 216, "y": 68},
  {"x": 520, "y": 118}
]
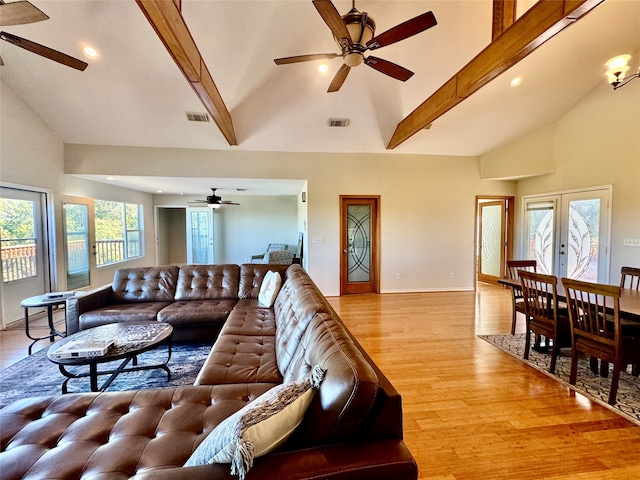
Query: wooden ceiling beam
[
  {"x": 504, "y": 15},
  {"x": 165, "y": 17},
  {"x": 545, "y": 19}
]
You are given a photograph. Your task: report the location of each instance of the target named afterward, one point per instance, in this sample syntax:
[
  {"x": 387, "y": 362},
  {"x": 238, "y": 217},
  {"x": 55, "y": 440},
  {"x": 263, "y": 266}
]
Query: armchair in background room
[
  {"x": 271, "y": 248},
  {"x": 278, "y": 257}
]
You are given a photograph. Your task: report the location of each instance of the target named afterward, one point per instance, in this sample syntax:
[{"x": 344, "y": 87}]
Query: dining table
[{"x": 629, "y": 299}]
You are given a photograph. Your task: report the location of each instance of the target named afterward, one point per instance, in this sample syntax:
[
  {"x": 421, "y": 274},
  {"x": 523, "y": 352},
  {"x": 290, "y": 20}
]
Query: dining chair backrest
[
  {"x": 514, "y": 265},
  {"x": 630, "y": 278},
  {"x": 594, "y": 310},
  {"x": 539, "y": 292}
]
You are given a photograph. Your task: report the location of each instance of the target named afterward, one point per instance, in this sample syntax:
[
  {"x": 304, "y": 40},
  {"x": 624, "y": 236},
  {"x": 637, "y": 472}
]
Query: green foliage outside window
[{"x": 118, "y": 231}]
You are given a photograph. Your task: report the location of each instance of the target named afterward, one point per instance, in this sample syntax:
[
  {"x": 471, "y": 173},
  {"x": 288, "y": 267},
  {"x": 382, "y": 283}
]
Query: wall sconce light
[{"x": 618, "y": 68}]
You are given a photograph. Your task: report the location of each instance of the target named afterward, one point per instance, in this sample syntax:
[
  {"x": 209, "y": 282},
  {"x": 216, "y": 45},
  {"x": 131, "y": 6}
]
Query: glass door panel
[
  {"x": 200, "y": 236},
  {"x": 540, "y": 229},
  {"x": 75, "y": 224},
  {"x": 359, "y": 243}
]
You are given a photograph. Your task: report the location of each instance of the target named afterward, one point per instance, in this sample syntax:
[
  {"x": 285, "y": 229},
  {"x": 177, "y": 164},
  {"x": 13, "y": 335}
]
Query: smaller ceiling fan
[
  {"x": 23, "y": 12},
  {"x": 354, "y": 32},
  {"x": 214, "y": 201}
]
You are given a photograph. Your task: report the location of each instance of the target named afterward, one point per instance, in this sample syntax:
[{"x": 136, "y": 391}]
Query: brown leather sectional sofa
[{"x": 352, "y": 430}]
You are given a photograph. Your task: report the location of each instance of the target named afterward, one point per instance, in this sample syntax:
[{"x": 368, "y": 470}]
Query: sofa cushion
[
  {"x": 251, "y": 275},
  {"x": 259, "y": 427},
  {"x": 297, "y": 303},
  {"x": 144, "y": 284},
  {"x": 246, "y": 320},
  {"x": 207, "y": 282},
  {"x": 269, "y": 289},
  {"x": 194, "y": 312},
  {"x": 124, "y": 312},
  {"x": 239, "y": 359},
  {"x": 113, "y": 434}
]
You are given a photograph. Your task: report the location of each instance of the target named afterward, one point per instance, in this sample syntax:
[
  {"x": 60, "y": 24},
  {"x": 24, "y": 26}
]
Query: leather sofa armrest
[
  {"x": 78, "y": 305},
  {"x": 367, "y": 460}
]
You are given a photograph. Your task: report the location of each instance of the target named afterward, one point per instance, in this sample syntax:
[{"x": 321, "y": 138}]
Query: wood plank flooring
[{"x": 471, "y": 411}]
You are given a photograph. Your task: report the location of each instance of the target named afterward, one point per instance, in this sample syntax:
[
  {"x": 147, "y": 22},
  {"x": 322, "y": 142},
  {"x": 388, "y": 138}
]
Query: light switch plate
[{"x": 632, "y": 242}]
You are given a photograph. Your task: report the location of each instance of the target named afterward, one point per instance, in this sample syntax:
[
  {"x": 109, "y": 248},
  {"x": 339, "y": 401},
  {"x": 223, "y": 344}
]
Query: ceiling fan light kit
[
  {"x": 354, "y": 33},
  {"x": 215, "y": 201},
  {"x": 618, "y": 68}
]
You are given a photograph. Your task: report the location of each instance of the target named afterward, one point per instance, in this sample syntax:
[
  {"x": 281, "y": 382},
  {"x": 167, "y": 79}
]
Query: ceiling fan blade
[
  {"x": 305, "y": 58},
  {"x": 404, "y": 30},
  {"x": 19, "y": 13},
  {"x": 388, "y": 68},
  {"x": 332, "y": 18},
  {"x": 46, "y": 52},
  {"x": 227, "y": 202},
  {"x": 339, "y": 79}
]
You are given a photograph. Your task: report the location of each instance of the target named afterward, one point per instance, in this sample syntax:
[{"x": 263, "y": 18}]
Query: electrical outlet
[
  {"x": 398, "y": 276},
  {"x": 632, "y": 242},
  {"x": 451, "y": 275},
  {"x": 247, "y": 259}
]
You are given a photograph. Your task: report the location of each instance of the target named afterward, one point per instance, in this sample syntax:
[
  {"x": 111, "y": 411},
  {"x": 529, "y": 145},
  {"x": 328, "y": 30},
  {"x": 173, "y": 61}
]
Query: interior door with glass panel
[
  {"x": 359, "y": 259},
  {"x": 200, "y": 235},
  {"x": 492, "y": 242},
  {"x": 568, "y": 234},
  {"x": 76, "y": 237},
  {"x": 23, "y": 247}
]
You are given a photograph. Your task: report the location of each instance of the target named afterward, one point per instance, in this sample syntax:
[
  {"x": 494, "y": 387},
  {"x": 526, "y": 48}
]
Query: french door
[
  {"x": 568, "y": 234},
  {"x": 23, "y": 243},
  {"x": 359, "y": 244},
  {"x": 492, "y": 242}
]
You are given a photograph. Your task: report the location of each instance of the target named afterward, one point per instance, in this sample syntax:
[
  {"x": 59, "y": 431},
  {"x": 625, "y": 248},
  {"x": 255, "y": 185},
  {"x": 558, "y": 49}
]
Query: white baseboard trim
[{"x": 429, "y": 290}]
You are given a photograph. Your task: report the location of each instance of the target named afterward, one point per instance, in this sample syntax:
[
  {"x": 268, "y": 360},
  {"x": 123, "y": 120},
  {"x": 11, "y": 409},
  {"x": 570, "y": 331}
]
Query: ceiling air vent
[
  {"x": 338, "y": 122},
  {"x": 197, "y": 117}
]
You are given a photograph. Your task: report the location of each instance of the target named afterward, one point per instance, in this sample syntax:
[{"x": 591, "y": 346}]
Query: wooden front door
[{"x": 359, "y": 244}]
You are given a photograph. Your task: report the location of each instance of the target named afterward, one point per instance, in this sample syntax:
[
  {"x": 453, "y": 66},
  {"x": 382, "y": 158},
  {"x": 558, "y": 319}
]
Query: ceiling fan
[
  {"x": 354, "y": 33},
  {"x": 214, "y": 201},
  {"x": 22, "y": 12}
]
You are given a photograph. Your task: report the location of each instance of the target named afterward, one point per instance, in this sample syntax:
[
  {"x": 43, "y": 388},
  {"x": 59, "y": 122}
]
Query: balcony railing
[{"x": 18, "y": 258}]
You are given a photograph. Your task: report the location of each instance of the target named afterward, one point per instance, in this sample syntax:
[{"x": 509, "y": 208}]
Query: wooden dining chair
[
  {"x": 544, "y": 316},
  {"x": 594, "y": 311},
  {"x": 630, "y": 278},
  {"x": 516, "y": 292}
]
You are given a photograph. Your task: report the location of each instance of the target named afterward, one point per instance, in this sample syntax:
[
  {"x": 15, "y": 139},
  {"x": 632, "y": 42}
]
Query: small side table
[{"x": 38, "y": 301}]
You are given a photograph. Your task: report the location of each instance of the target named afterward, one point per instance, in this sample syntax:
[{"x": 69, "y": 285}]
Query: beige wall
[
  {"x": 32, "y": 156},
  {"x": 597, "y": 143},
  {"x": 427, "y": 202}
]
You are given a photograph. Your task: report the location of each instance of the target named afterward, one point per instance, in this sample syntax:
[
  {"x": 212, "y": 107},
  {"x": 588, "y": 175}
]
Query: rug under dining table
[
  {"x": 37, "y": 376},
  {"x": 592, "y": 386}
]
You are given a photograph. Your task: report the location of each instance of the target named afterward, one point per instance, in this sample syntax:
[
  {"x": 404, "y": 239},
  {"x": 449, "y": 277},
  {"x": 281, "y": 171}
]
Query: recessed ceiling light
[
  {"x": 159, "y": 191},
  {"x": 323, "y": 68},
  {"x": 110, "y": 178},
  {"x": 89, "y": 52},
  {"x": 515, "y": 82}
]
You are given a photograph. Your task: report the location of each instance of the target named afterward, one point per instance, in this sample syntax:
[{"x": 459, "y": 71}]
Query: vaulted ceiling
[{"x": 134, "y": 94}]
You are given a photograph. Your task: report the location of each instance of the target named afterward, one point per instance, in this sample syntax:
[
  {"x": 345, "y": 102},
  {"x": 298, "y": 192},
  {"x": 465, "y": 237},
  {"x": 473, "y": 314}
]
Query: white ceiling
[{"x": 133, "y": 94}]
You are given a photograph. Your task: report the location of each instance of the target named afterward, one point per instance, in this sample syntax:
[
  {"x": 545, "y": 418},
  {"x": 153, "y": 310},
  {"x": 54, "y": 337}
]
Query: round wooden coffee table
[{"x": 132, "y": 339}]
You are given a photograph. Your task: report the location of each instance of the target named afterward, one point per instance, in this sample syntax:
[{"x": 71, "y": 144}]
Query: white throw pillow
[
  {"x": 269, "y": 289},
  {"x": 259, "y": 427}
]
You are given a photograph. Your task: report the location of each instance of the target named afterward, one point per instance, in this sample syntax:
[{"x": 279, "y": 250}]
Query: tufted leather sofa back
[
  {"x": 340, "y": 409},
  {"x": 297, "y": 303},
  {"x": 207, "y": 282},
  {"x": 145, "y": 284},
  {"x": 251, "y": 275}
]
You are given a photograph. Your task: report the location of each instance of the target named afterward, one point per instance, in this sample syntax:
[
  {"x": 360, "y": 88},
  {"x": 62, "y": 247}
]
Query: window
[
  {"x": 17, "y": 239},
  {"x": 118, "y": 231}
]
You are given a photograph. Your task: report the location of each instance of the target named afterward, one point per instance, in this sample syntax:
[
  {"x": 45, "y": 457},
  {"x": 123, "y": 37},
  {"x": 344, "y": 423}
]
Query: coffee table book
[{"x": 83, "y": 348}]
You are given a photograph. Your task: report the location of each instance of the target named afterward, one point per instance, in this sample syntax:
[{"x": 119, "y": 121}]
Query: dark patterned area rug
[
  {"x": 590, "y": 385},
  {"x": 36, "y": 375}
]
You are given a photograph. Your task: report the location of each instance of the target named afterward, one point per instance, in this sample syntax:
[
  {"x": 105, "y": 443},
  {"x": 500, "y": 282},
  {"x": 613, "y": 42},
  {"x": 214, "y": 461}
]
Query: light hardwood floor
[{"x": 472, "y": 411}]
